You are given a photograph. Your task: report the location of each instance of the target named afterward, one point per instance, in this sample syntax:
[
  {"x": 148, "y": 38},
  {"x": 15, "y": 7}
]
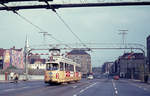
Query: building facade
[
  {"x": 37, "y": 65},
  {"x": 148, "y": 51},
  {"x": 11, "y": 57},
  {"x": 83, "y": 58},
  {"x": 35, "y": 62},
  {"x": 107, "y": 67},
  {"x": 1, "y": 57},
  {"x": 131, "y": 65}
]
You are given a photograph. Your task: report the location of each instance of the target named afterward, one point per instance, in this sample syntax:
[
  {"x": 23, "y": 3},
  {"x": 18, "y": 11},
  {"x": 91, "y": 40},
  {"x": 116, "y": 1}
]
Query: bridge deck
[{"x": 57, "y": 6}]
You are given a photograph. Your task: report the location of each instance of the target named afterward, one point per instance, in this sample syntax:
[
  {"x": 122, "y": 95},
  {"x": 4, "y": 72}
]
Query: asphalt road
[{"x": 96, "y": 87}]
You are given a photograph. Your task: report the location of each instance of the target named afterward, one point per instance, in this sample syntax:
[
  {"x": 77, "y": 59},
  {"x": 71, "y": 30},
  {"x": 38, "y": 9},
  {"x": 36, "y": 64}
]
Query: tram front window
[{"x": 52, "y": 66}]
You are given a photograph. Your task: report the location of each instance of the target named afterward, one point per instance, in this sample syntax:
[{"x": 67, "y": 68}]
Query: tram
[{"x": 60, "y": 69}]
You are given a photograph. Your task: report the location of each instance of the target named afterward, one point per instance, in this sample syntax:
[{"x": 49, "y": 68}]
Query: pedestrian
[
  {"x": 11, "y": 75},
  {"x": 16, "y": 77},
  {"x": 146, "y": 78}
]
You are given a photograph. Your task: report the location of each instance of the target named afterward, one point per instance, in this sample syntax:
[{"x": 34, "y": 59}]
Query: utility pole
[
  {"x": 44, "y": 36},
  {"x": 123, "y": 33},
  {"x": 26, "y": 52}
]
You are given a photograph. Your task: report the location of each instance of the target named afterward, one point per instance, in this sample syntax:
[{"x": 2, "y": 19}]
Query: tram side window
[
  {"x": 78, "y": 69},
  {"x": 48, "y": 66},
  {"x": 71, "y": 68},
  {"x": 52, "y": 66},
  {"x": 55, "y": 66},
  {"x": 66, "y": 67},
  {"x": 61, "y": 66}
]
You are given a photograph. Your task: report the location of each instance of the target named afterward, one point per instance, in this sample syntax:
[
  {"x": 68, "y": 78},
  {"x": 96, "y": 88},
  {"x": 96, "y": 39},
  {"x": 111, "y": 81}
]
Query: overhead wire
[
  {"x": 42, "y": 30},
  {"x": 58, "y": 41},
  {"x": 37, "y": 27},
  {"x": 67, "y": 26},
  {"x": 29, "y": 21}
]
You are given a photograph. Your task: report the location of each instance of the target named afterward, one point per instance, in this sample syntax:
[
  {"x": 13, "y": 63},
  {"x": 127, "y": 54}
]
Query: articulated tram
[{"x": 60, "y": 69}]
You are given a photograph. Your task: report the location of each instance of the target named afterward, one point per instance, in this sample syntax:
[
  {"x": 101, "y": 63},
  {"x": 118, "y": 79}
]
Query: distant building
[
  {"x": 11, "y": 57},
  {"x": 97, "y": 70},
  {"x": 35, "y": 62},
  {"x": 131, "y": 65},
  {"x": 1, "y": 57},
  {"x": 33, "y": 58},
  {"x": 116, "y": 66},
  {"x": 37, "y": 65},
  {"x": 83, "y": 58},
  {"x": 148, "y": 50},
  {"x": 106, "y": 68}
]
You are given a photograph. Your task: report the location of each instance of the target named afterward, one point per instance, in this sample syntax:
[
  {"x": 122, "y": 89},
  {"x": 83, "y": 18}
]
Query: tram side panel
[{"x": 61, "y": 76}]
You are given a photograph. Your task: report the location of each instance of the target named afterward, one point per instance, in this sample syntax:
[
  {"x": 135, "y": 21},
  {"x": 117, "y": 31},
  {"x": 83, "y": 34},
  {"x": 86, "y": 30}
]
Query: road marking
[
  {"x": 116, "y": 92},
  {"x": 9, "y": 90},
  {"x": 145, "y": 89},
  {"x": 74, "y": 86},
  {"x": 24, "y": 87},
  {"x": 115, "y": 89},
  {"x": 81, "y": 91}
]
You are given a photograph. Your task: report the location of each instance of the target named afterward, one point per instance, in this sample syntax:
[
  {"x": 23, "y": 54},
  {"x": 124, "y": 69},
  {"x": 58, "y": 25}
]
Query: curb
[{"x": 138, "y": 81}]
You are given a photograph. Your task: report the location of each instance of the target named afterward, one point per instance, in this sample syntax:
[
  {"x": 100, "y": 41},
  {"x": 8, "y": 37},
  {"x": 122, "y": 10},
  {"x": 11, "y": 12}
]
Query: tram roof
[{"x": 63, "y": 59}]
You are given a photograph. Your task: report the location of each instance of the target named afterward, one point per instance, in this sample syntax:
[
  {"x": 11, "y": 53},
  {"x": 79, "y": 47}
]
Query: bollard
[{"x": 6, "y": 75}]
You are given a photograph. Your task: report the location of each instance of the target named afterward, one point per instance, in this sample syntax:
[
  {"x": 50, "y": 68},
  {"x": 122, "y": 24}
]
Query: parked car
[{"x": 90, "y": 77}]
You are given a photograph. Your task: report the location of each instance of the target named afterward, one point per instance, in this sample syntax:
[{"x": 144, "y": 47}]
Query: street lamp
[{"x": 28, "y": 52}]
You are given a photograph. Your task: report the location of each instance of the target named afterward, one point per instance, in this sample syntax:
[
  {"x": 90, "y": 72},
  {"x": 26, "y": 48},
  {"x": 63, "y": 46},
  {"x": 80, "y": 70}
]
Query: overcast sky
[{"x": 92, "y": 25}]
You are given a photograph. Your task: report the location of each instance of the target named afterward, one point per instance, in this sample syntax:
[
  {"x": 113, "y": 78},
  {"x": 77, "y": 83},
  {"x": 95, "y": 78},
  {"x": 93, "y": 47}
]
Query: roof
[
  {"x": 78, "y": 52},
  {"x": 148, "y": 37},
  {"x": 3, "y": 50},
  {"x": 14, "y": 48},
  {"x": 33, "y": 60},
  {"x": 133, "y": 55}
]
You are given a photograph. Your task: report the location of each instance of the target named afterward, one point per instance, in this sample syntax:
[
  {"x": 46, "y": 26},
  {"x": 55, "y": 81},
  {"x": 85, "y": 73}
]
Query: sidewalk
[
  {"x": 138, "y": 81},
  {"x": 10, "y": 81},
  {"x": 5, "y": 81},
  {"x": 139, "y": 84}
]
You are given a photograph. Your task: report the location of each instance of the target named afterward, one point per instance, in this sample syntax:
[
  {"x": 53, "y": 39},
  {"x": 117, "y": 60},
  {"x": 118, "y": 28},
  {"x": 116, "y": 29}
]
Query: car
[
  {"x": 90, "y": 77},
  {"x": 116, "y": 77},
  {"x": 98, "y": 77}
]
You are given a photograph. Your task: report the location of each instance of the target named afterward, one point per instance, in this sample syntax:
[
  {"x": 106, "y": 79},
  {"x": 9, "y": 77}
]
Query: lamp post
[
  {"x": 26, "y": 66},
  {"x": 26, "y": 56},
  {"x": 26, "y": 63}
]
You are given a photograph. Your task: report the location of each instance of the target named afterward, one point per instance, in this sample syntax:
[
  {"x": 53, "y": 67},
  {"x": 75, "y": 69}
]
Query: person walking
[
  {"x": 16, "y": 77},
  {"x": 11, "y": 75}
]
